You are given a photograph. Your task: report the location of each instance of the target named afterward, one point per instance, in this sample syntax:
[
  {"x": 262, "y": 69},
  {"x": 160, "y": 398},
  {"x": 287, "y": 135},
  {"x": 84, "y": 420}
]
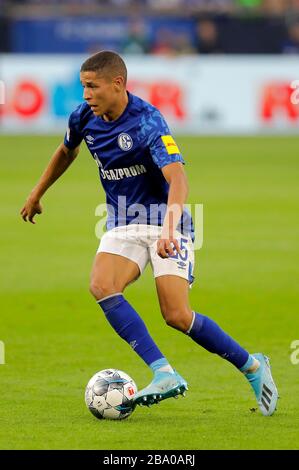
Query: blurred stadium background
[
  {"x": 211, "y": 66},
  {"x": 221, "y": 72}
]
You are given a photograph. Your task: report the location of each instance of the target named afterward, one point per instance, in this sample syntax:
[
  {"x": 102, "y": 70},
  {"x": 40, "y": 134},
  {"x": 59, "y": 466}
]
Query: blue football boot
[
  {"x": 263, "y": 385},
  {"x": 164, "y": 385}
]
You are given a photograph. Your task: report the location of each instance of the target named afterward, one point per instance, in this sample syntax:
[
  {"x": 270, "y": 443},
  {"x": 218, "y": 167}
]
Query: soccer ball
[{"x": 109, "y": 394}]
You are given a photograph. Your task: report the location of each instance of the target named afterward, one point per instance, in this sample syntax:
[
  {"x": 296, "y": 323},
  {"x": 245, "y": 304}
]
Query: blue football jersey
[{"x": 130, "y": 152}]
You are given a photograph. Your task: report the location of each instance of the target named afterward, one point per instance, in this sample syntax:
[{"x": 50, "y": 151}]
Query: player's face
[{"x": 101, "y": 93}]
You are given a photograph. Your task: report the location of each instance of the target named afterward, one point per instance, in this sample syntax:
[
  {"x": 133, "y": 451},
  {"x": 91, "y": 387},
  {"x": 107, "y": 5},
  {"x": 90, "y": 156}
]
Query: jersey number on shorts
[{"x": 182, "y": 256}]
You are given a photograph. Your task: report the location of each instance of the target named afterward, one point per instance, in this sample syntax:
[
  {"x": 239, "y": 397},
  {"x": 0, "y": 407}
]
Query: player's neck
[{"x": 117, "y": 111}]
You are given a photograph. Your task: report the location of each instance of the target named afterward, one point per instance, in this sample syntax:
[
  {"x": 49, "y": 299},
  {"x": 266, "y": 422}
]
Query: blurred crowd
[
  {"x": 215, "y": 26},
  {"x": 218, "y": 36},
  {"x": 265, "y": 7}
]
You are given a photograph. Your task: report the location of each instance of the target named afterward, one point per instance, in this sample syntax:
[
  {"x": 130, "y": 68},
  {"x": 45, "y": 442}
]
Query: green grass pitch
[{"x": 56, "y": 338}]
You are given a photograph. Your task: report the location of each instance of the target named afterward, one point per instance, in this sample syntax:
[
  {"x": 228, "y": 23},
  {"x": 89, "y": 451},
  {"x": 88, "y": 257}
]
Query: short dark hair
[{"x": 108, "y": 63}]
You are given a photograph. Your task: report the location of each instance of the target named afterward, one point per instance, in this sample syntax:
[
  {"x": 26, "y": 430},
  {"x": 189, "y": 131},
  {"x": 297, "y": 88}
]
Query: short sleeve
[
  {"x": 162, "y": 145},
  {"x": 73, "y": 136}
]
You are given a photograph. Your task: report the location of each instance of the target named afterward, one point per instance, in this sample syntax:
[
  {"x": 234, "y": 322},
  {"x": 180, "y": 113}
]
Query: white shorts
[{"x": 138, "y": 243}]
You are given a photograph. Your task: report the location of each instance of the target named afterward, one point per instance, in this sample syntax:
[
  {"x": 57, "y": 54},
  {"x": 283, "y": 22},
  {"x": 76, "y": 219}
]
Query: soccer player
[{"x": 142, "y": 172}]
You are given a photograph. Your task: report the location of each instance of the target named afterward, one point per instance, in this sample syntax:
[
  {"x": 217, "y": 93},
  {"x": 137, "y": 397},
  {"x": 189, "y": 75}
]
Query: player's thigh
[
  {"x": 173, "y": 295},
  {"x": 111, "y": 273},
  {"x": 173, "y": 277}
]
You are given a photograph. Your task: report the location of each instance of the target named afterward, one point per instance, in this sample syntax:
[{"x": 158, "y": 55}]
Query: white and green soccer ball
[{"x": 109, "y": 394}]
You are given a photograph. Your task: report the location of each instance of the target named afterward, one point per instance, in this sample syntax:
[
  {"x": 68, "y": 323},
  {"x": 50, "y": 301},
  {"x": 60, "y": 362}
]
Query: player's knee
[
  {"x": 101, "y": 289},
  {"x": 178, "y": 318}
]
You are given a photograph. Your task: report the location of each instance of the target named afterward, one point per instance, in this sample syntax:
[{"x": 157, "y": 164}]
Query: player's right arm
[{"x": 60, "y": 161}]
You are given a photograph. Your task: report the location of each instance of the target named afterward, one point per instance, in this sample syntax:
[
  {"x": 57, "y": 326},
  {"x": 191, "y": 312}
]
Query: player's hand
[
  {"x": 167, "y": 246},
  {"x": 31, "y": 208}
]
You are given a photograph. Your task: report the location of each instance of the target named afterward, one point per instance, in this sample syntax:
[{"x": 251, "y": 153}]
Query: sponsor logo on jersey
[
  {"x": 170, "y": 144},
  {"x": 97, "y": 160},
  {"x": 125, "y": 141},
  {"x": 120, "y": 173}
]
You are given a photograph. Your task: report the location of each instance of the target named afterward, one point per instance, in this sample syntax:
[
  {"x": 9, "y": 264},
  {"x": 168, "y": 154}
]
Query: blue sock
[
  {"x": 210, "y": 336},
  {"x": 130, "y": 327}
]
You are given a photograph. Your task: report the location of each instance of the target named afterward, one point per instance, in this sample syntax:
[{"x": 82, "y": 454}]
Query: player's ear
[{"x": 119, "y": 82}]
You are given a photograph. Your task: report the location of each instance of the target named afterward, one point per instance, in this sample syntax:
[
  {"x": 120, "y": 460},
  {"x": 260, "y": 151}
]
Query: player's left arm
[{"x": 178, "y": 191}]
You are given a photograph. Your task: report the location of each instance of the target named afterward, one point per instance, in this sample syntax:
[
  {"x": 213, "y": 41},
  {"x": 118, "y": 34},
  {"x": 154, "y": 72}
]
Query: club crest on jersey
[{"x": 125, "y": 142}]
